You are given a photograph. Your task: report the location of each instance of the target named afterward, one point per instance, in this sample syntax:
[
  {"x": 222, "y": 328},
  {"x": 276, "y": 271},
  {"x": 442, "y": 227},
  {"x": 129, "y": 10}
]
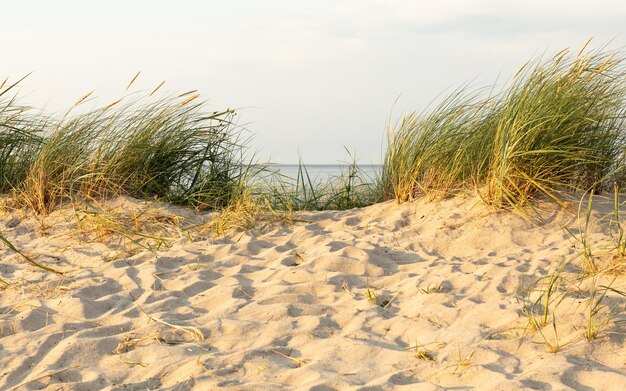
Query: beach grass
[
  {"x": 271, "y": 196},
  {"x": 583, "y": 283},
  {"x": 557, "y": 126},
  {"x": 351, "y": 188},
  {"x": 21, "y": 133},
  {"x": 169, "y": 147}
]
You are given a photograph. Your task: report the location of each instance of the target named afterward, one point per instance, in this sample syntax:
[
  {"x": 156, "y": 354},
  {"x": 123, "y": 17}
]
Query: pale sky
[{"x": 309, "y": 76}]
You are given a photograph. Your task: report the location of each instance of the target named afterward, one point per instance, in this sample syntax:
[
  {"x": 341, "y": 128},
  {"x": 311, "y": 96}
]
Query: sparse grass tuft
[
  {"x": 538, "y": 312},
  {"x": 352, "y": 188},
  {"x": 589, "y": 280},
  {"x": 599, "y": 314},
  {"x": 423, "y": 352},
  {"x": 143, "y": 228},
  {"x": 432, "y": 288}
]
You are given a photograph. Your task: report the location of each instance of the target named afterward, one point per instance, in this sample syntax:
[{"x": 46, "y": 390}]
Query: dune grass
[
  {"x": 21, "y": 134},
  {"x": 436, "y": 153},
  {"x": 582, "y": 288},
  {"x": 170, "y": 148},
  {"x": 244, "y": 211},
  {"x": 270, "y": 196},
  {"x": 351, "y": 188},
  {"x": 557, "y": 126}
]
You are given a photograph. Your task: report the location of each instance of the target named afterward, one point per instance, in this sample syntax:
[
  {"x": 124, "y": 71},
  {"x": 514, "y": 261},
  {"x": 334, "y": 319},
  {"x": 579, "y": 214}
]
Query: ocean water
[{"x": 324, "y": 172}]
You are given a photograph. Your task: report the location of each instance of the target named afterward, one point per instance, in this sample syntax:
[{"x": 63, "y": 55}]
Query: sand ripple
[{"x": 348, "y": 300}]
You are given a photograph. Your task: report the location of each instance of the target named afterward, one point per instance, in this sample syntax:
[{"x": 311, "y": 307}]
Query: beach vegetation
[
  {"x": 432, "y": 288},
  {"x": 557, "y": 126},
  {"x": 540, "y": 311},
  {"x": 351, "y": 188},
  {"x": 583, "y": 285},
  {"x": 166, "y": 147},
  {"x": 27, "y": 258}
]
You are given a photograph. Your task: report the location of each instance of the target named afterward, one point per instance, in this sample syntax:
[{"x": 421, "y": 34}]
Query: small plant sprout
[
  {"x": 204, "y": 368},
  {"x": 597, "y": 294},
  {"x": 432, "y": 288},
  {"x": 619, "y": 237},
  {"x": 422, "y": 353},
  {"x": 132, "y": 363},
  {"x": 371, "y": 294},
  {"x": 346, "y": 288},
  {"x": 582, "y": 237},
  {"x": 546, "y": 302},
  {"x": 297, "y": 254},
  {"x": 463, "y": 362}
]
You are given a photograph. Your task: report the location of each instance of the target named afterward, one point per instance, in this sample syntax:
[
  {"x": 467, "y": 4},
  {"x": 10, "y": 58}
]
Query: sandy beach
[
  {"x": 414, "y": 296},
  {"x": 317, "y": 196}
]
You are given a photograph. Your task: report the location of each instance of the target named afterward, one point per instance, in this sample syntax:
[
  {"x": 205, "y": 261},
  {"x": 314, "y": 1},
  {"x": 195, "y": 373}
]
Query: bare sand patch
[{"x": 418, "y": 296}]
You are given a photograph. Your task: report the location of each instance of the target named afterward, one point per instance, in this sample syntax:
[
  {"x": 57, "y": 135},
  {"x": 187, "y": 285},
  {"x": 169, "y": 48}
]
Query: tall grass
[
  {"x": 20, "y": 136},
  {"x": 169, "y": 148},
  {"x": 351, "y": 188},
  {"x": 438, "y": 152},
  {"x": 558, "y": 125}
]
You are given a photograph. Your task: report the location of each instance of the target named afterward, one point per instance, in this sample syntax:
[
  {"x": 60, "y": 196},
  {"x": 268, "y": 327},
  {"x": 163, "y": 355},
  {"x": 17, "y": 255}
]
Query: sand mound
[{"x": 419, "y": 296}]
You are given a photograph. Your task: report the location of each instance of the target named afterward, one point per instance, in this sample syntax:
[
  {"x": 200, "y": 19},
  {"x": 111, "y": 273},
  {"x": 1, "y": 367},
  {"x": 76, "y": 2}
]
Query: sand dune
[{"x": 418, "y": 296}]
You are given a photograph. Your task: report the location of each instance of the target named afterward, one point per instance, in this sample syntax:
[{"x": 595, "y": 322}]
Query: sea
[{"x": 320, "y": 173}]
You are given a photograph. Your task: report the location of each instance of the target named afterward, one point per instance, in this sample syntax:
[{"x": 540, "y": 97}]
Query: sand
[{"x": 417, "y": 296}]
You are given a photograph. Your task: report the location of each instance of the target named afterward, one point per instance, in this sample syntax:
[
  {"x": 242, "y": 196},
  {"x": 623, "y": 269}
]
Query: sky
[{"x": 310, "y": 79}]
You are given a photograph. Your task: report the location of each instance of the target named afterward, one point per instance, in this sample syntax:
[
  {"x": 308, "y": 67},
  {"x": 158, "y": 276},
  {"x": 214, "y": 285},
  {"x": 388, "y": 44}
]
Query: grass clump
[
  {"x": 435, "y": 153},
  {"x": 169, "y": 148},
  {"x": 20, "y": 137},
  {"x": 243, "y": 212},
  {"x": 559, "y": 125}
]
